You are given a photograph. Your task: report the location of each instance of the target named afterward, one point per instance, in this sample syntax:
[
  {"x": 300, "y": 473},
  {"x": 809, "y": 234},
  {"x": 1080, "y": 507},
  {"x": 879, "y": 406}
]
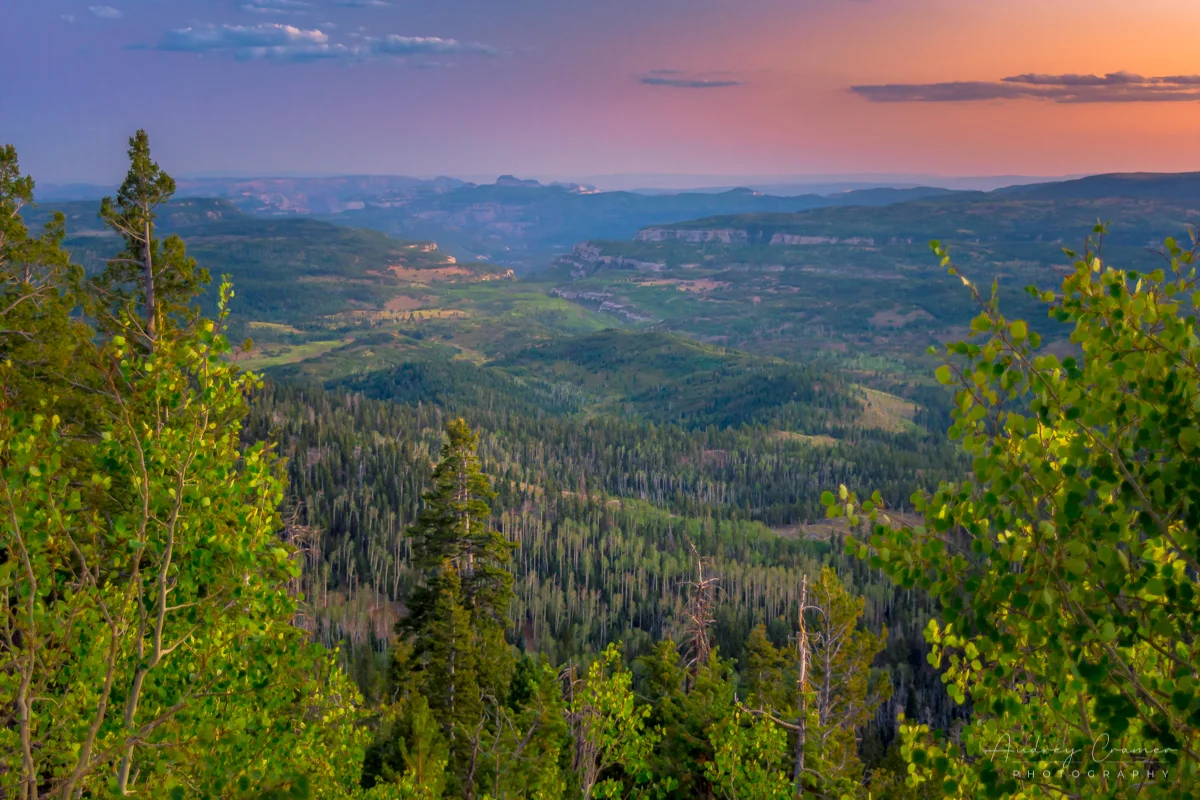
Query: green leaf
[{"x": 944, "y": 375}]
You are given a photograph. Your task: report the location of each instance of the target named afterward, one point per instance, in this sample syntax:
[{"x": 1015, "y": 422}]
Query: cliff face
[
  {"x": 796, "y": 239},
  {"x": 602, "y": 302},
  {"x": 739, "y": 236},
  {"x": 693, "y": 235},
  {"x": 586, "y": 258}
]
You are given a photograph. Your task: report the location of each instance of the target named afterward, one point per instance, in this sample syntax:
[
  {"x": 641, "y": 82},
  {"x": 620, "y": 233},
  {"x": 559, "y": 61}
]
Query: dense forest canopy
[{"x": 583, "y": 562}]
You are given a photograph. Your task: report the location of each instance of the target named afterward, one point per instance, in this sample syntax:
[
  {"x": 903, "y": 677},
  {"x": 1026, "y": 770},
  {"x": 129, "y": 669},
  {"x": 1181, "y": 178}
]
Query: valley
[{"x": 680, "y": 399}]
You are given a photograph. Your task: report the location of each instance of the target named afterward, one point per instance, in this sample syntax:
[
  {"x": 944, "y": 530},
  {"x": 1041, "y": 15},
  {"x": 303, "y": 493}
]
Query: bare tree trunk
[
  {"x": 148, "y": 279},
  {"x": 470, "y": 782},
  {"x": 801, "y": 686}
]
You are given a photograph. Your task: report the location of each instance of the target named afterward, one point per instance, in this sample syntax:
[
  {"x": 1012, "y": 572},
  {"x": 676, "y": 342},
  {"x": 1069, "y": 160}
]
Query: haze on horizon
[{"x": 548, "y": 89}]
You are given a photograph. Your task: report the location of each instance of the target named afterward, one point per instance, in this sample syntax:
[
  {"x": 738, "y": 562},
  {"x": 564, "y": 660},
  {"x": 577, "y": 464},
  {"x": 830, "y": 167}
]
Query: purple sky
[{"x": 572, "y": 88}]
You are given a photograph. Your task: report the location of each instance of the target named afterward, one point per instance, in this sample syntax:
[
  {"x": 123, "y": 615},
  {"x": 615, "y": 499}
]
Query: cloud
[
  {"x": 251, "y": 42},
  {"x": 957, "y": 91},
  {"x": 362, "y": 3},
  {"x": 106, "y": 12},
  {"x": 277, "y": 7},
  {"x": 678, "y": 79},
  {"x": 1111, "y": 79},
  {"x": 426, "y": 45},
  {"x": 1113, "y": 87},
  {"x": 68, "y": 18},
  {"x": 290, "y": 44}
]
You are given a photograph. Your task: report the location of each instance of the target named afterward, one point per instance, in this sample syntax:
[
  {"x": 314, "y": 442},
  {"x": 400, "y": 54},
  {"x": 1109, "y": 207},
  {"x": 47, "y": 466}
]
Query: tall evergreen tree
[
  {"x": 39, "y": 288},
  {"x": 158, "y": 276},
  {"x": 454, "y": 533},
  {"x": 455, "y": 651},
  {"x": 764, "y": 673}
]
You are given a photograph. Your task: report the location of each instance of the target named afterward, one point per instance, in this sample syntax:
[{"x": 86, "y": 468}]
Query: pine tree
[
  {"x": 163, "y": 277},
  {"x": 40, "y": 337},
  {"x": 454, "y": 532},
  {"x": 412, "y": 755},
  {"x": 764, "y": 684},
  {"x": 456, "y": 654}
]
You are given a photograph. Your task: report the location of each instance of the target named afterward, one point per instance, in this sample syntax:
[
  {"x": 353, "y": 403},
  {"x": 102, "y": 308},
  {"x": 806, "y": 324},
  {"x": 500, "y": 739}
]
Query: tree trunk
[
  {"x": 802, "y": 684},
  {"x": 148, "y": 279}
]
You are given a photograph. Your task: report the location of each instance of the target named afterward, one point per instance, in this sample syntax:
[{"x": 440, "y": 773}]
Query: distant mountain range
[
  {"x": 857, "y": 279},
  {"x": 1141, "y": 207},
  {"x": 805, "y": 184},
  {"x": 525, "y": 224},
  {"x": 848, "y": 274}
]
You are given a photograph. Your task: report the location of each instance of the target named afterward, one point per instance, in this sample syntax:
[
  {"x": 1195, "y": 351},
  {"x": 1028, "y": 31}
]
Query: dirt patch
[
  {"x": 405, "y": 303},
  {"x": 702, "y": 285},
  {"x": 404, "y": 273}
]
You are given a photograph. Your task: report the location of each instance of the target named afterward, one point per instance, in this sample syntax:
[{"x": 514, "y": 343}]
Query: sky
[{"x": 561, "y": 89}]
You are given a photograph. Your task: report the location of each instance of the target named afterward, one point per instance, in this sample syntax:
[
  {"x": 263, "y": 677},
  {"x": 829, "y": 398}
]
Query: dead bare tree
[
  {"x": 699, "y": 615},
  {"x": 305, "y": 540},
  {"x": 834, "y": 691}
]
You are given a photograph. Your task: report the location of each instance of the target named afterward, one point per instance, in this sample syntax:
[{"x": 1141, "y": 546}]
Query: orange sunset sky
[{"x": 582, "y": 88}]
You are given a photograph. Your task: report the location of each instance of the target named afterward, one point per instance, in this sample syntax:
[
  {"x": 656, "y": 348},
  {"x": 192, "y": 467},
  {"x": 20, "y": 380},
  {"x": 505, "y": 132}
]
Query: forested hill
[
  {"x": 289, "y": 271},
  {"x": 1153, "y": 186},
  {"x": 603, "y": 511}
]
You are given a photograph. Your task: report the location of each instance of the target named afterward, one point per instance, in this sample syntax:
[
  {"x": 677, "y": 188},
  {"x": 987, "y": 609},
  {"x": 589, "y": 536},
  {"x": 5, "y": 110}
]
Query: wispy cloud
[
  {"x": 1111, "y": 79},
  {"x": 1114, "y": 87},
  {"x": 426, "y": 45},
  {"x": 291, "y": 44},
  {"x": 68, "y": 18},
  {"x": 106, "y": 12},
  {"x": 250, "y": 42},
  {"x": 362, "y": 3},
  {"x": 678, "y": 79},
  {"x": 277, "y": 7}
]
